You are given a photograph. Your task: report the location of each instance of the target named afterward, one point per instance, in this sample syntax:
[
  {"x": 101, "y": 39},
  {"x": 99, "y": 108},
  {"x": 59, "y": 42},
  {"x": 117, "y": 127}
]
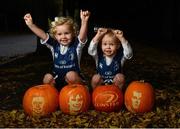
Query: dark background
[
  {"x": 155, "y": 21},
  {"x": 151, "y": 26}
]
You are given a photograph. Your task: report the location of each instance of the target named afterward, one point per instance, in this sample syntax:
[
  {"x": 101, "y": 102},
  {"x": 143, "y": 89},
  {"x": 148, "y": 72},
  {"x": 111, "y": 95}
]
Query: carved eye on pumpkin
[{"x": 139, "y": 97}]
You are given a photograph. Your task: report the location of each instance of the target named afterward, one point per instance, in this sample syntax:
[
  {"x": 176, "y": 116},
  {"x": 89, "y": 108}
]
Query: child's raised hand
[
  {"x": 84, "y": 15},
  {"x": 118, "y": 33},
  {"x": 28, "y": 19},
  {"x": 102, "y": 31}
]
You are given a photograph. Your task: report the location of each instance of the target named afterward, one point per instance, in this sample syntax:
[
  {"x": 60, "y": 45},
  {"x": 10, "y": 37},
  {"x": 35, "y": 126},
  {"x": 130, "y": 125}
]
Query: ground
[{"x": 156, "y": 65}]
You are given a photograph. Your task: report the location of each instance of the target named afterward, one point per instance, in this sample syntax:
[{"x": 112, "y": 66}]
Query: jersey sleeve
[{"x": 92, "y": 50}]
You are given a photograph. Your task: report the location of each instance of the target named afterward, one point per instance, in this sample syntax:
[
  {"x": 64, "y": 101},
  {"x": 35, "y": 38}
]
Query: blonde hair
[
  {"x": 110, "y": 33},
  {"x": 61, "y": 21}
]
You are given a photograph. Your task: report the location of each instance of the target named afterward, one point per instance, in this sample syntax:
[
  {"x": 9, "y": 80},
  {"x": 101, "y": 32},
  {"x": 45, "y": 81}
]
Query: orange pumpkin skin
[
  {"x": 40, "y": 100},
  {"x": 139, "y": 97},
  {"x": 107, "y": 98},
  {"x": 74, "y": 99}
]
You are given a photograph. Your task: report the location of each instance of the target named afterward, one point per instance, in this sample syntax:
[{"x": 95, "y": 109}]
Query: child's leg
[
  {"x": 49, "y": 79},
  {"x": 96, "y": 80},
  {"x": 119, "y": 80},
  {"x": 73, "y": 77}
]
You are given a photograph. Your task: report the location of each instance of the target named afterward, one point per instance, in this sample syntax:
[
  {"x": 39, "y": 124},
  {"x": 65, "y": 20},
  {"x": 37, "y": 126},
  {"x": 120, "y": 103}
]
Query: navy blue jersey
[
  {"x": 108, "y": 72},
  {"x": 64, "y": 63}
]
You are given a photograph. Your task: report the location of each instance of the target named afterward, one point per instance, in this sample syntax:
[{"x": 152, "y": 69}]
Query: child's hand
[
  {"x": 101, "y": 31},
  {"x": 84, "y": 15},
  {"x": 28, "y": 19},
  {"x": 119, "y": 35}
]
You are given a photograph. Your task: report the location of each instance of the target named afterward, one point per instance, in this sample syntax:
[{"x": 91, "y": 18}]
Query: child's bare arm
[
  {"x": 35, "y": 29},
  {"x": 84, "y": 15}
]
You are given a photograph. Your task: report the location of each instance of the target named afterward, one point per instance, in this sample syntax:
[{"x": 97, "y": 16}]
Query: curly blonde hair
[{"x": 61, "y": 21}]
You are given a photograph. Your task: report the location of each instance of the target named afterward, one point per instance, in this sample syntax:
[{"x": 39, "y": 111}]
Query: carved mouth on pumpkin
[{"x": 37, "y": 111}]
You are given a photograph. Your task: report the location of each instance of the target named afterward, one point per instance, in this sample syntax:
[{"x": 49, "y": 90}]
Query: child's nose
[
  {"x": 108, "y": 46},
  {"x": 63, "y": 35}
]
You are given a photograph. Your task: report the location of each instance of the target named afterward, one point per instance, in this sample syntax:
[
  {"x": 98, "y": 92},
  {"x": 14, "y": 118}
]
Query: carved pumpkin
[
  {"x": 40, "y": 100},
  {"x": 139, "y": 97},
  {"x": 107, "y": 98},
  {"x": 74, "y": 99}
]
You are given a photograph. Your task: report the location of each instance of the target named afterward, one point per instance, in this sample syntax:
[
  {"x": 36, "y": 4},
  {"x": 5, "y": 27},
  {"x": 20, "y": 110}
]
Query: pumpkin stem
[
  {"x": 142, "y": 81},
  {"x": 73, "y": 85}
]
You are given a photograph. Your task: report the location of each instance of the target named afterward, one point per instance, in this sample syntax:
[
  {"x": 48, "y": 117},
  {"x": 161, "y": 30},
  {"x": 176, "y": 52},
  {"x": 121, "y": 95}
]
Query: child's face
[
  {"x": 64, "y": 34},
  {"x": 109, "y": 45}
]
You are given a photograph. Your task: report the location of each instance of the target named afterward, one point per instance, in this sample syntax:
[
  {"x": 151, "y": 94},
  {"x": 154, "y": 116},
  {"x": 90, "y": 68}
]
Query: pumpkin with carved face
[
  {"x": 40, "y": 100},
  {"x": 74, "y": 99},
  {"x": 139, "y": 97},
  {"x": 107, "y": 98}
]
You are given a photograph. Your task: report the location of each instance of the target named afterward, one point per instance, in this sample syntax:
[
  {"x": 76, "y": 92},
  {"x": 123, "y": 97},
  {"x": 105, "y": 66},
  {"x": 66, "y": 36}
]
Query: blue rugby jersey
[
  {"x": 63, "y": 63},
  {"x": 67, "y": 62},
  {"x": 108, "y": 72}
]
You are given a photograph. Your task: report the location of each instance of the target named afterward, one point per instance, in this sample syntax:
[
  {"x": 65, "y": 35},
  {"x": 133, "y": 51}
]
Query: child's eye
[
  {"x": 59, "y": 33},
  {"x": 66, "y": 33},
  {"x": 104, "y": 44}
]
